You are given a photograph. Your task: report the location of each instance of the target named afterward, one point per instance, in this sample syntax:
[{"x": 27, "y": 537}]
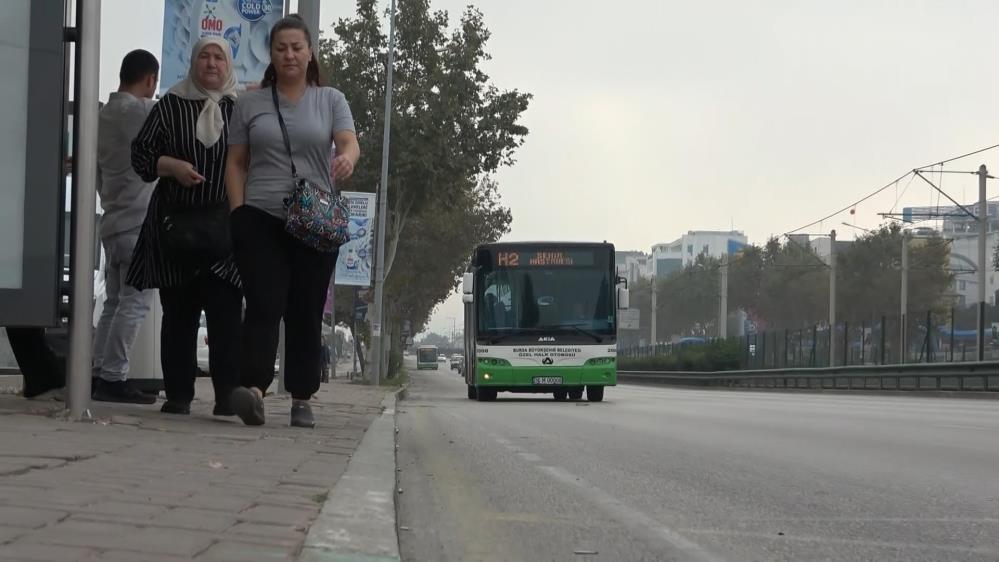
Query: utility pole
[
  {"x": 832, "y": 298},
  {"x": 655, "y": 287},
  {"x": 81, "y": 329},
  {"x": 723, "y": 307},
  {"x": 376, "y": 324},
  {"x": 904, "y": 328},
  {"x": 983, "y": 233}
]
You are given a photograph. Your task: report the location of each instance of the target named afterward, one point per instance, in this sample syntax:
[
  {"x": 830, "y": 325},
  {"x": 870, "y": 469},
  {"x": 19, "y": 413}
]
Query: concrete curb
[{"x": 358, "y": 520}]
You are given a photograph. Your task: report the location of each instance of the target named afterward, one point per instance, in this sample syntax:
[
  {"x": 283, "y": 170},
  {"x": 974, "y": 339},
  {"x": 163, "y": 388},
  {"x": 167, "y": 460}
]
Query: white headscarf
[{"x": 210, "y": 121}]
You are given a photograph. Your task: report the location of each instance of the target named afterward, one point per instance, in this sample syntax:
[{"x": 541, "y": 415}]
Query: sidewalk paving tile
[{"x": 135, "y": 484}]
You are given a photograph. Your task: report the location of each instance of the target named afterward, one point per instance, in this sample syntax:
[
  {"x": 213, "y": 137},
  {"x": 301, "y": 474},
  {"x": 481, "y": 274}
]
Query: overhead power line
[{"x": 889, "y": 184}]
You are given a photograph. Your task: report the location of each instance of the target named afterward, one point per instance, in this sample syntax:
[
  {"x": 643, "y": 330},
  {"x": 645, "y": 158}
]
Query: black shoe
[
  {"x": 121, "y": 391},
  {"x": 176, "y": 407},
  {"x": 247, "y": 405},
  {"x": 301, "y": 414},
  {"x": 222, "y": 408}
]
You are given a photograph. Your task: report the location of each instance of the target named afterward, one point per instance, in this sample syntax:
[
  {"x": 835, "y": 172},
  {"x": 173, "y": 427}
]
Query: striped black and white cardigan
[{"x": 169, "y": 130}]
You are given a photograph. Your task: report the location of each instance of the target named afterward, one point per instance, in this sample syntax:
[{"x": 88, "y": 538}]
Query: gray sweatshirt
[{"x": 124, "y": 196}]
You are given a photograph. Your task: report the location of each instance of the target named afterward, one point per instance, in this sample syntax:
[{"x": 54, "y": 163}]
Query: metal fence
[
  {"x": 929, "y": 337},
  {"x": 967, "y": 377}
]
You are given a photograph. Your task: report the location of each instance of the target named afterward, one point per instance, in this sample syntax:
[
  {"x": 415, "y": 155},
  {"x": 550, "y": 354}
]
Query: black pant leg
[
  {"x": 179, "y": 337},
  {"x": 259, "y": 249},
  {"x": 41, "y": 368},
  {"x": 223, "y": 304},
  {"x": 310, "y": 278}
]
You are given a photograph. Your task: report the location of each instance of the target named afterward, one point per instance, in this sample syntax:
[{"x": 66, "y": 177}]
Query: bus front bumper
[{"x": 535, "y": 379}]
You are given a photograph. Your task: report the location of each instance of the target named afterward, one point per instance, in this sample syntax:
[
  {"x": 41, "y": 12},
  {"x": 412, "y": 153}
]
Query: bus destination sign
[{"x": 543, "y": 258}]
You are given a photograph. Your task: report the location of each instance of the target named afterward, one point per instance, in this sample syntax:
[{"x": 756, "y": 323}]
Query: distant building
[
  {"x": 962, "y": 229},
  {"x": 674, "y": 256},
  {"x": 633, "y": 265}
]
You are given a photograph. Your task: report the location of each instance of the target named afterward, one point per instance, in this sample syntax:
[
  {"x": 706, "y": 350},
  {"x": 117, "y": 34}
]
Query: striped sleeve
[{"x": 149, "y": 144}]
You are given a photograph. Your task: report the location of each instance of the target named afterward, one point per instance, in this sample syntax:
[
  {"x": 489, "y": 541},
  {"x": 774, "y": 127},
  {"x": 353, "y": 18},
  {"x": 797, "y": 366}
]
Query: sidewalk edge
[{"x": 358, "y": 520}]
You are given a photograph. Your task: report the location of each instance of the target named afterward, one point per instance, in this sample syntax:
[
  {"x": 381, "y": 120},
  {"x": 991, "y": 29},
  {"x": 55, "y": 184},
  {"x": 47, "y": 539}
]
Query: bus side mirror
[
  {"x": 466, "y": 288},
  {"x": 623, "y": 298}
]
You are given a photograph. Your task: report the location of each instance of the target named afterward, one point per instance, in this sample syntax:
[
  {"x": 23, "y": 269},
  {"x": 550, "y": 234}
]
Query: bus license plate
[{"x": 547, "y": 380}]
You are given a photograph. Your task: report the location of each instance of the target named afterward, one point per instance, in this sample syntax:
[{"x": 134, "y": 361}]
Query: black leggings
[
  {"x": 282, "y": 278},
  {"x": 182, "y": 306}
]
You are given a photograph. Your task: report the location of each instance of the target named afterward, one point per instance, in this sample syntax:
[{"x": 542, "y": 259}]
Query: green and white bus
[
  {"x": 542, "y": 317},
  {"x": 426, "y": 357}
]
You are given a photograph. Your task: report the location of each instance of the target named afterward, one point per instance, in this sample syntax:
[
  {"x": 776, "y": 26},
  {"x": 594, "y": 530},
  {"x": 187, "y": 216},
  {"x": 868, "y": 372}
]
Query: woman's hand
[
  {"x": 184, "y": 172},
  {"x": 343, "y": 167}
]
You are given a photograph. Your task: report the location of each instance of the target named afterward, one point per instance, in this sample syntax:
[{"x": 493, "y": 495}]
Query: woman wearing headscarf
[{"x": 183, "y": 249}]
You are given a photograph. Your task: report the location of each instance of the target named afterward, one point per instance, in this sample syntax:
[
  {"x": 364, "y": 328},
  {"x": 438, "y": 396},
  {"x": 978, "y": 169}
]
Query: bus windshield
[
  {"x": 426, "y": 355},
  {"x": 533, "y": 300}
]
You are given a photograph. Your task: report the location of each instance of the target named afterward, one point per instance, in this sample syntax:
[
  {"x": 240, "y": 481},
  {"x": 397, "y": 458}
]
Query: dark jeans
[
  {"x": 282, "y": 278},
  {"x": 182, "y": 306}
]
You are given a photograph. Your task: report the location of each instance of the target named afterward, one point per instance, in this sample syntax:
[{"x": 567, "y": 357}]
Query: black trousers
[
  {"x": 41, "y": 367},
  {"x": 182, "y": 306},
  {"x": 282, "y": 278}
]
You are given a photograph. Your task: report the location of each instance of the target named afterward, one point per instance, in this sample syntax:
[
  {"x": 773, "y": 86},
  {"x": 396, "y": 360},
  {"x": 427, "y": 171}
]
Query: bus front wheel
[
  {"x": 485, "y": 394},
  {"x": 576, "y": 394},
  {"x": 595, "y": 393},
  {"x": 471, "y": 392},
  {"x": 560, "y": 395}
]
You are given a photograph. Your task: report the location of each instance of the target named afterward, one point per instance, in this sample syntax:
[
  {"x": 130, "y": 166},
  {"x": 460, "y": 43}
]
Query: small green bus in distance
[
  {"x": 542, "y": 317},
  {"x": 426, "y": 357}
]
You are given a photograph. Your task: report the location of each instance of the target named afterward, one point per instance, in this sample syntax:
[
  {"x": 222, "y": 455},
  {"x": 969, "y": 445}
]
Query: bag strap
[{"x": 284, "y": 130}]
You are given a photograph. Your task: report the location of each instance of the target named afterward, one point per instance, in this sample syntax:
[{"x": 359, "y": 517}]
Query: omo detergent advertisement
[
  {"x": 244, "y": 24},
  {"x": 353, "y": 266}
]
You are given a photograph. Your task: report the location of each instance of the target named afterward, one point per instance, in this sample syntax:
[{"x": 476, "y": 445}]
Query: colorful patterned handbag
[{"x": 316, "y": 217}]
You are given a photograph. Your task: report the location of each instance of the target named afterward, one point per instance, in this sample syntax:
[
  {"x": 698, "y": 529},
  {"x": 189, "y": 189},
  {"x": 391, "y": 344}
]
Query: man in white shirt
[{"x": 124, "y": 198}]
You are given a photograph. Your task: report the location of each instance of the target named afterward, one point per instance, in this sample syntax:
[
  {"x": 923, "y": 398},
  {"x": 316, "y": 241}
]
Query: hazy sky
[{"x": 654, "y": 117}]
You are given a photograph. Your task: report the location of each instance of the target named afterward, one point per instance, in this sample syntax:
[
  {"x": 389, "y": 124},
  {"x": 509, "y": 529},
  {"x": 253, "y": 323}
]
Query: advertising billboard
[
  {"x": 245, "y": 24},
  {"x": 353, "y": 266},
  {"x": 32, "y": 130}
]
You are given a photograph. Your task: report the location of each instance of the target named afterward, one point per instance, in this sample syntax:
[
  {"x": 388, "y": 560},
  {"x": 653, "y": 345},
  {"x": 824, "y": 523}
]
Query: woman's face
[
  {"x": 290, "y": 54},
  {"x": 211, "y": 68}
]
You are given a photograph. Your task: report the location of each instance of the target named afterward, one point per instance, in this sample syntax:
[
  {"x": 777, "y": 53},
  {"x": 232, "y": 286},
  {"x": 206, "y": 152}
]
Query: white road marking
[{"x": 633, "y": 519}]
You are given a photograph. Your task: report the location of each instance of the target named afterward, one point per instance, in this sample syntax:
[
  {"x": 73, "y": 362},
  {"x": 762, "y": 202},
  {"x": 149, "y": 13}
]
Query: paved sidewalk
[{"x": 139, "y": 485}]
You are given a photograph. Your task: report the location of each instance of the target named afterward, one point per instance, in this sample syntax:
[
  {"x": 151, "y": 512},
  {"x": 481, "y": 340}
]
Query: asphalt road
[{"x": 672, "y": 474}]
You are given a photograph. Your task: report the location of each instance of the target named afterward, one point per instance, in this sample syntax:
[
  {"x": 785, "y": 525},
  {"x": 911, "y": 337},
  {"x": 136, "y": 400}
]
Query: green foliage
[
  {"x": 721, "y": 355},
  {"x": 786, "y": 285},
  {"x": 451, "y": 129}
]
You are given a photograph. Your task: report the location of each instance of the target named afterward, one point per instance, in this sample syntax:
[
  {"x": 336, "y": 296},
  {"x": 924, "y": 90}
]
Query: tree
[{"x": 451, "y": 130}]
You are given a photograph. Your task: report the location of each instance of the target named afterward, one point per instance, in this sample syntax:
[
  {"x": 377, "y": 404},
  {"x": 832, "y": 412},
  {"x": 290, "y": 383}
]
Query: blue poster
[
  {"x": 353, "y": 266},
  {"x": 245, "y": 24}
]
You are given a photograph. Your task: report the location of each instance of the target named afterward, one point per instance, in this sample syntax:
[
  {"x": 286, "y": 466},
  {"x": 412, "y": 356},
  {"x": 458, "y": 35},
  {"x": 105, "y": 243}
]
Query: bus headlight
[
  {"x": 487, "y": 376},
  {"x": 600, "y": 361},
  {"x": 494, "y": 362}
]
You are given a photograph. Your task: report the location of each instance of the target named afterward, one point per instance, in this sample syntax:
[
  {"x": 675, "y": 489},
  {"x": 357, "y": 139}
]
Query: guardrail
[{"x": 975, "y": 376}]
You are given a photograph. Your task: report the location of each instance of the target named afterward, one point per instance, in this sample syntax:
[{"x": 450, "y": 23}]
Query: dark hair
[
  {"x": 136, "y": 66},
  {"x": 293, "y": 21}
]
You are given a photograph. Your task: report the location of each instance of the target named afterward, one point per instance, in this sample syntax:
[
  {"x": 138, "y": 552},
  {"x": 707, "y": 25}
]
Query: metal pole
[
  {"x": 832, "y": 298},
  {"x": 903, "y": 330},
  {"x": 81, "y": 326},
  {"x": 723, "y": 307},
  {"x": 376, "y": 325},
  {"x": 952, "y": 334},
  {"x": 655, "y": 287},
  {"x": 309, "y": 10},
  {"x": 983, "y": 232}
]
